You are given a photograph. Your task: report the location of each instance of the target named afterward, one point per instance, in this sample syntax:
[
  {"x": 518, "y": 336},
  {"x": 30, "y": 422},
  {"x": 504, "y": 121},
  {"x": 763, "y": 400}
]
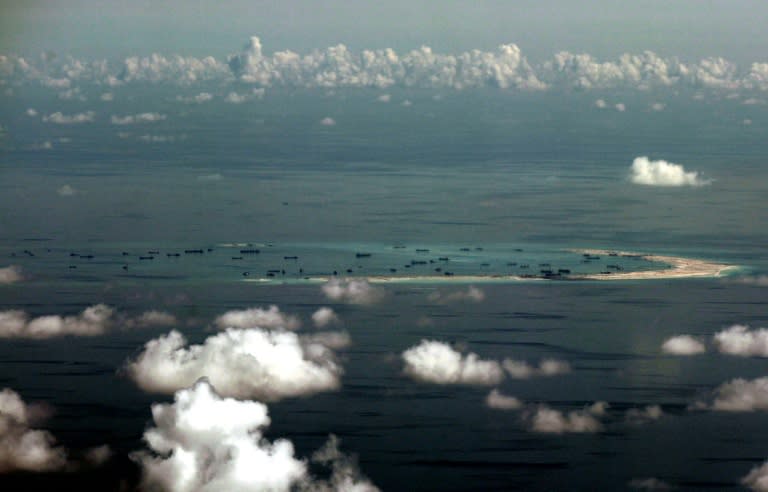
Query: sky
[{"x": 690, "y": 29}]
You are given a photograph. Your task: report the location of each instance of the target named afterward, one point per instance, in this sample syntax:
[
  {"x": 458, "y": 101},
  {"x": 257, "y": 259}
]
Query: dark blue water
[{"x": 540, "y": 173}]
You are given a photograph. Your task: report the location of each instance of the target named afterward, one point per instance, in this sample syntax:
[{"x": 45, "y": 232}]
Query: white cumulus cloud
[
  {"x": 645, "y": 414},
  {"x": 352, "y": 291},
  {"x": 245, "y": 363},
  {"x": 23, "y": 448},
  {"x": 66, "y": 190},
  {"x": 437, "y": 362},
  {"x": 757, "y": 478},
  {"x": 663, "y": 173},
  {"x": 205, "y": 442},
  {"x": 324, "y": 317},
  {"x": 500, "y": 401},
  {"x": 741, "y": 341},
  {"x": 235, "y": 98},
  {"x": 10, "y": 275},
  {"x": 93, "y": 321},
  {"x": 683, "y": 345},
  {"x": 64, "y": 119},
  {"x": 137, "y": 118},
  {"x": 739, "y": 395},
  {"x": 547, "y": 367},
  {"x": 271, "y": 318},
  {"x": 504, "y": 68},
  {"x": 328, "y": 121},
  {"x": 547, "y": 420}
]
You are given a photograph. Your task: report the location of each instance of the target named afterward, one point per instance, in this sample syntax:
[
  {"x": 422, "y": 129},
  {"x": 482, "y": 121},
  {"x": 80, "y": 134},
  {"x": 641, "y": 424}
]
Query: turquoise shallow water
[{"x": 48, "y": 261}]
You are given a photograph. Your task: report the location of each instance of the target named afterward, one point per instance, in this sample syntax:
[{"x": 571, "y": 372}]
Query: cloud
[
  {"x": 203, "y": 441},
  {"x": 47, "y": 145},
  {"x": 736, "y": 340},
  {"x": 643, "y": 415},
  {"x": 683, "y": 345},
  {"x": 352, "y": 291},
  {"x": 663, "y": 173},
  {"x": 23, "y": 448},
  {"x": 544, "y": 419},
  {"x": 93, "y": 321},
  {"x": 345, "y": 473},
  {"x": 244, "y": 363},
  {"x": 385, "y": 98},
  {"x": 196, "y": 99},
  {"x": 437, "y": 362},
  {"x": 137, "y": 118},
  {"x": 270, "y": 318},
  {"x": 203, "y": 97},
  {"x": 757, "y": 478},
  {"x": 620, "y": 107},
  {"x": 472, "y": 294},
  {"x": 176, "y": 69},
  {"x": 337, "y": 66},
  {"x": 66, "y": 190},
  {"x": 657, "y": 106},
  {"x": 741, "y": 341},
  {"x": 649, "y": 484},
  {"x": 31, "y": 112},
  {"x": 71, "y": 94},
  {"x": 547, "y": 367},
  {"x": 324, "y": 317},
  {"x": 741, "y": 395},
  {"x": 10, "y": 275},
  {"x": 62, "y": 83},
  {"x": 107, "y": 96},
  {"x": 601, "y": 104},
  {"x": 504, "y": 68},
  {"x": 328, "y": 121},
  {"x": 335, "y": 340},
  {"x": 499, "y": 401},
  {"x": 235, "y": 98},
  {"x": 63, "y": 119}
]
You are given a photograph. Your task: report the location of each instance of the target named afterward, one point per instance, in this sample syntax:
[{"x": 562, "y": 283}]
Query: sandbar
[{"x": 676, "y": 267}]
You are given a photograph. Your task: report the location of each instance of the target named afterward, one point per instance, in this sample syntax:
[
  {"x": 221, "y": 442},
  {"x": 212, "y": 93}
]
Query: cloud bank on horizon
[{"x": 337, "y": 66}]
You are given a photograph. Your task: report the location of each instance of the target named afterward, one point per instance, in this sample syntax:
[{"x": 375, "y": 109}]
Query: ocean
[{"x": 490, "y": 180}]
